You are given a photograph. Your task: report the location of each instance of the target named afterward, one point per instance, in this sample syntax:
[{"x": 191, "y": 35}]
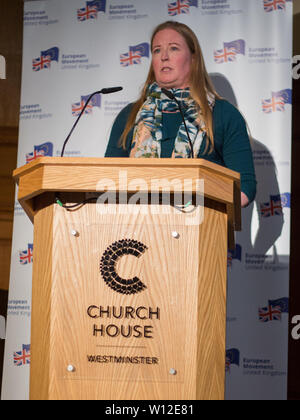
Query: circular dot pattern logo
[{"x": 109, "y": 261}]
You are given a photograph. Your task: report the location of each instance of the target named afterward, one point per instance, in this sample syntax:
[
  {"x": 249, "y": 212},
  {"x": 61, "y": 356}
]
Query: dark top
[{"x": 232, "y": 146}]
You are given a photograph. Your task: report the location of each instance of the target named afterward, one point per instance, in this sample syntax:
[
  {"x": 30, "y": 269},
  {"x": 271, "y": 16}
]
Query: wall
[
  {"x": 11, "y": 49},
  {"x": 294, "y": 365},
  {"x": 11, "y": 30}
]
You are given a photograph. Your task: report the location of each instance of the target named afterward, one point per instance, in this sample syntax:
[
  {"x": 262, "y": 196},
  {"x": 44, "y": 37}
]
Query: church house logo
[{"x": 109, "y": 261}]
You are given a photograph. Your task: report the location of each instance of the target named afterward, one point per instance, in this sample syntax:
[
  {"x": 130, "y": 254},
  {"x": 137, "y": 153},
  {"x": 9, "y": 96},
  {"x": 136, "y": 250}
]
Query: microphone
[
  {"x": 104, "y": 91},
  {"x": 172, "y": 97}
]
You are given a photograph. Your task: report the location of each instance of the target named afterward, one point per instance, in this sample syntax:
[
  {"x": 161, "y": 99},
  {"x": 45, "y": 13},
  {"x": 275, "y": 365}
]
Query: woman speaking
[{"x": 153, "y": 127}]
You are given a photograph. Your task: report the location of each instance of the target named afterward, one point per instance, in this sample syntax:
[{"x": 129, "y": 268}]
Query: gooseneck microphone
[
  {"x": 172, "y": 97},
  {"x": 104, "y": 91}
]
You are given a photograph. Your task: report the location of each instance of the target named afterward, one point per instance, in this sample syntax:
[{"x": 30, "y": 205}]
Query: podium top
[{"x": 68, "y": 174}]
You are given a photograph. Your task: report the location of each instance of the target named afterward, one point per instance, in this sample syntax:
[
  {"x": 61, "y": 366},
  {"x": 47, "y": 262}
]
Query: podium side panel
[
  {"x": 212, "y": 288},
  {"x": 41, "y": 305}
]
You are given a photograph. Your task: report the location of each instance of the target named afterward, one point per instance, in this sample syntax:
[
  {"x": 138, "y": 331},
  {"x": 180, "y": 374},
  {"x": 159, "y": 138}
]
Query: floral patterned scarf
[{"x": 147, "y": 134}]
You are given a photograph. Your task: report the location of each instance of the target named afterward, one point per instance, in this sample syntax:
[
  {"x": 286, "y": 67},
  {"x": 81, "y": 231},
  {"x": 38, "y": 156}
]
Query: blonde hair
[{"x": 200, "y": 83}]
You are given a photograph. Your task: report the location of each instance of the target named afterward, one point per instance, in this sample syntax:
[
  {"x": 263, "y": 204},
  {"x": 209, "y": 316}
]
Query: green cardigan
[{"x": 232, "y": 146}]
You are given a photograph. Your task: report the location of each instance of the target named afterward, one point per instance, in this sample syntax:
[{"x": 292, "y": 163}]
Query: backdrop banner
[{"x": 75, "y": 47}]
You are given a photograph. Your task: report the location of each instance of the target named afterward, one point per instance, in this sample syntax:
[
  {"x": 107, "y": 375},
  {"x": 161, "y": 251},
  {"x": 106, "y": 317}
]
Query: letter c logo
[{"x": 108, "y": 266}]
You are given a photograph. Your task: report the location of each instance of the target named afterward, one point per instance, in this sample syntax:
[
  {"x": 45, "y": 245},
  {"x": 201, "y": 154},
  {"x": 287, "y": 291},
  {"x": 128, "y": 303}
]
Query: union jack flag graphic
[
  {"x": 269, "y": 313},
  {"x": 227, "y": 365},
  {"x": 135, "y": 54},
  {"x": 45, "y": 59},
  {"x": 232, "y": 358},
  {"x": 227, "y": 55},
  {"x": 86, "y": 13},
  {"x": 230, "y": 51},
  {"x": 277, "y": 102},
  {"x": 130, "y": 58},
  {"x": 234, "y": 255},
  {"x": 178, "y": 7},
  {"x": 41, "y": 63},
  {"x": 45, "y": 149},
  {"x": 271, "y": 5},
  {"x": 90, "y": 11},
  {"x": 272, "y": 207},
  {"x": 272, "y": 105},
  {"x": 26, "y": 257},
  {"x": 22, "y": 358},
  {"x": 78, "y": 106}
]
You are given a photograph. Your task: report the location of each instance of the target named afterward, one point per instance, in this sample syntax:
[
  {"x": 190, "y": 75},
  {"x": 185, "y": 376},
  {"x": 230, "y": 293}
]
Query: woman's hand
[{"x": 244, "y": 200}]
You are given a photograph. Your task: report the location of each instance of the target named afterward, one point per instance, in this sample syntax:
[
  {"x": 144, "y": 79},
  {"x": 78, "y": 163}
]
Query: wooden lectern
[{"x": 129, "y": 285}]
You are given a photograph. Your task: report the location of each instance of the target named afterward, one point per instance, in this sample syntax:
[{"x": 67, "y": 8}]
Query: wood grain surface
[{"x": 185, "y": 281}]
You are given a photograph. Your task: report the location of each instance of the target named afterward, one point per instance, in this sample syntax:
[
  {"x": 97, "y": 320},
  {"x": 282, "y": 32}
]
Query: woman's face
[{"x": 171, "y": 60}]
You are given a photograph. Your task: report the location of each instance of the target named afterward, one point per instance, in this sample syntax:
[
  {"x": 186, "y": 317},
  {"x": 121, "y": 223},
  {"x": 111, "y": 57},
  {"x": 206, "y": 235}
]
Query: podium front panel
[
  {"x": 137, "y": 303},
  {"x": 122, "y": 308}
]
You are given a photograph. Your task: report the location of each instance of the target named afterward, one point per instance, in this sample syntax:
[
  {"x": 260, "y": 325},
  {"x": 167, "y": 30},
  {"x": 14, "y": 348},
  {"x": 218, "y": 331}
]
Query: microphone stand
[
  {"x": 172, "y": 97},
  {"x": 104, "y": 91}
]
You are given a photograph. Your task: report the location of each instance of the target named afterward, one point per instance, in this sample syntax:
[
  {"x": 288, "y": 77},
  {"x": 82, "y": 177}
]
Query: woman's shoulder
[
  {"x": 224, "y": 112},
  {"x": 227, "y": 108},
  {"x": 119, "y": 124},
  {"x": 224, "y": 106},
  {"x": 124, "y": 113}
]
